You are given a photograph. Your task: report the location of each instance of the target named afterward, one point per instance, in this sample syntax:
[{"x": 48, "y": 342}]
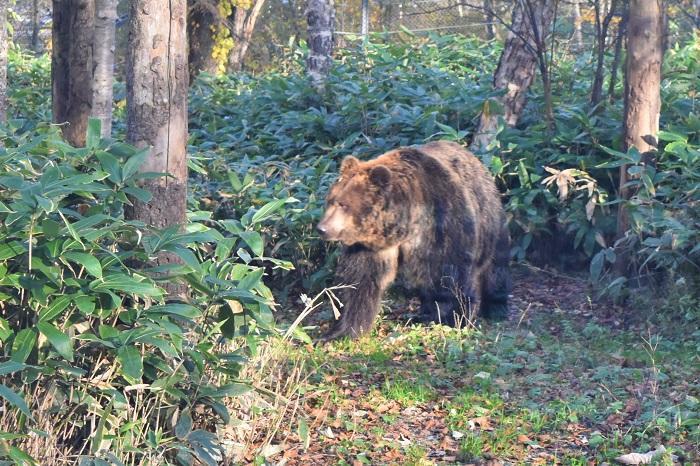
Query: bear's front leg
[{"x": 369, "y": 273}]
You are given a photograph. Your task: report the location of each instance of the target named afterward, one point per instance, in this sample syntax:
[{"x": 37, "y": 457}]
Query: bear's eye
[{"x": 342, "y": 205}]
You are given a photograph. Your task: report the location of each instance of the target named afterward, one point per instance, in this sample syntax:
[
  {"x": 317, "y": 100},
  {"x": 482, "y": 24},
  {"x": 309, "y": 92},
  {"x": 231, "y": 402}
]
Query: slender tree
[
  {"x": 242, "y": 24},
  {"x": 578, "y": 33},
  {"x": 71, "y": 66},
  {"x": 642, "y": 98},
  {"x": 489, "y": 20},
  {"x": 35, "y": 25},
  {"x": 603, "y": 18},
  {"x": 320, "y": 17},
  {"x": 3, "y": 60},
  {"x": 619, "y": 39},
  {"x": 525, "y": 52},
  {"x": 157, "y": 81},
  {"x": 202, "y": 19},
  {"x": 103, "y": 63}
]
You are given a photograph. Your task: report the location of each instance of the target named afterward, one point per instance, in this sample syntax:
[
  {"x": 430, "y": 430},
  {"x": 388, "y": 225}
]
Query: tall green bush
[{"x": 93, "y": 354}]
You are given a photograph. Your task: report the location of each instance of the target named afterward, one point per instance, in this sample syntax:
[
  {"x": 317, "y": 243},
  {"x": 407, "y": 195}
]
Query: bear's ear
[
  {"x": 380, "y": 175},
  {"x": 348, "y": 164}
]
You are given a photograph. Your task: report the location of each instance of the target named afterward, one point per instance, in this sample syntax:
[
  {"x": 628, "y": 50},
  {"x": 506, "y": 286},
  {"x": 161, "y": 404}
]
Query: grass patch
[{"x": 407, "y": 392}]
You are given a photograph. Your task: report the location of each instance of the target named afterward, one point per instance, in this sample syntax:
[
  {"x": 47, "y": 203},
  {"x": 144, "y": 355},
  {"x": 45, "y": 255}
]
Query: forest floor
[{"x": 563, "y": 381}]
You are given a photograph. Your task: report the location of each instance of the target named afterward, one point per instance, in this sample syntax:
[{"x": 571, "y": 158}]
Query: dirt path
[{"x": 564, "y": 381}]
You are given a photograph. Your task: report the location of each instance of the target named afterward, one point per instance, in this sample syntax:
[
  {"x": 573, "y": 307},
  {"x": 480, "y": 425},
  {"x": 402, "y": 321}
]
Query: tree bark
[
  {"x": 642, "y": 99},
  {"x": 320, "y": 17},
  {"x": 615, "y": 66},
  {"x": 3, "y": 60},
  {"x": 243, "y": 26},
  {"x": 35, "y": 26},
  {"x": 602, "y": 24},
  {"x": 203, "y": 17},
  {"x": 489, "y": 20},
  {"x": 103, "y": 63},
  {"x": 71, "y": 66},
  {"x": 524, "y": 52},
  {"x": 156, "y": 78},
  {"x": 578, "y": 34}
]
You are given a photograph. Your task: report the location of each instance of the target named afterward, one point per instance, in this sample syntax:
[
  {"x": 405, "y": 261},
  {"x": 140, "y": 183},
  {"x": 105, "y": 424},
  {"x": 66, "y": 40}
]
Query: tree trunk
[
  {"x": 615, "y": 66},
  {"x": 103, "y": 63},
  {"x": 489, "y": 20},
  {"x": 71, "y": 66},
  {"x": 3, "y": 60},
  {"x": 523, "y": 53},
  {"x": 578, "y": 34},
  {"x": 202, "y": 19},
  {"x": 320, "y": 16},
  {"x": 602, "y": 24},
  {"x": 243, "y": 26},
  {"x": 156, "y": 94},
  {"x": 642, "y": 99},
  {"x": 35, "y": 26},
  {"x": 156, "y": 77}
]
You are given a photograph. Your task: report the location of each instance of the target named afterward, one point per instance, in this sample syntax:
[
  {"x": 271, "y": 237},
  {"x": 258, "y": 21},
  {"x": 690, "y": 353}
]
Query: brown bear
[{"x": 431, "y": 214}]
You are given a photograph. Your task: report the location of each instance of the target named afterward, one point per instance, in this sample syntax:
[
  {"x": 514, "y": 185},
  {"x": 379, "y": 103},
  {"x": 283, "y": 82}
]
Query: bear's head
[{"x": 361, "y": 207}]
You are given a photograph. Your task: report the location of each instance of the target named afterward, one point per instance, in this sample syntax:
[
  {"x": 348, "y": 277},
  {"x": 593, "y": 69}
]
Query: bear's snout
[{"x": 322, "y": 230}]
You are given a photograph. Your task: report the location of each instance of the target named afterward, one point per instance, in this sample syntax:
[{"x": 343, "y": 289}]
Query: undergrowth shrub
[
  {"x": 95, "y": 363},
  {"x": 282, "y": 139},
  {"x": 256, "y": 139}
]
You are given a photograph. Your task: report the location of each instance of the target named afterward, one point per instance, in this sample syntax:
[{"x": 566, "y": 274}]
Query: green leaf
[
  {"x": 85, "y": 304},
  {"x": 184, "y": 424},
  {"x": 8, "y": 367},
  {"x": 126, "y": 284},
  {"x": 23, "y": 345},
  {"x": 596, "y": 266},
  {"x": 99, "y": 433},
  {"x": 50, "y": 228},
  {"x": 138, "y": 193},
  {"x": 131, "y": 362},
  {"x": 132, "y": 165},
  {"x": 181, "y": 310},
  {"x": 59, "y": 340},
  {"x": 55, "y": 308},
  {"x": 235, "y": 181},
  {"x": 231, "y": 390},
  {"x": 669, "y": 136},
  {"x": 267, "y": 210},
  {"x": 91, "y": 264},
  {"x": 15, "y": 400},
  {"x": 20, "y": 457},
  {"x": 5, "y": 330},
  {"x": 92, "y": 140},
  {"x": 206, "y": 447},
  {"x": 12, "y": 249},
  {"x": 251, "y": 279},
  {"x": 111, "y": 165},
  {"x": 189, "y": 258},
  {"x": 253, "y": 240},
  {"x": 303, "y": 432}
]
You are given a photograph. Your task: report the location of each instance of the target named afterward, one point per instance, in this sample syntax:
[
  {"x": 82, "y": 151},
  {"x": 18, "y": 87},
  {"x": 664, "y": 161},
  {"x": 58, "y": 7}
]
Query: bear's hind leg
[
  {"x": 496, "y": 282},
  {"x": 455, "y": 300}
]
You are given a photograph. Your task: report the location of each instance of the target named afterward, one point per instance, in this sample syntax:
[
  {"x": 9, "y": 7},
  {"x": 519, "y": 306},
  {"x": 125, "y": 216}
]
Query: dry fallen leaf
[
  {"x": 641, "y": 458},
  {"x": 482, "y": 423}
]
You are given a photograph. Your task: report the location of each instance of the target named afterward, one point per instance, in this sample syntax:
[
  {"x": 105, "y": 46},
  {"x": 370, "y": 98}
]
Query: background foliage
[{"x": 86, "y": 331}]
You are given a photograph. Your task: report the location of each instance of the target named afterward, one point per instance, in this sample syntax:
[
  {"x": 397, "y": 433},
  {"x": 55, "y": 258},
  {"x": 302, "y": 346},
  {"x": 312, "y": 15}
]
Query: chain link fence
[{"x": 419, "y": 16}]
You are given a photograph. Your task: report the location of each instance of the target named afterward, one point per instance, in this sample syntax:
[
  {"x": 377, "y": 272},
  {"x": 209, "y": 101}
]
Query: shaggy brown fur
[{"x": 432, "y": 215}]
